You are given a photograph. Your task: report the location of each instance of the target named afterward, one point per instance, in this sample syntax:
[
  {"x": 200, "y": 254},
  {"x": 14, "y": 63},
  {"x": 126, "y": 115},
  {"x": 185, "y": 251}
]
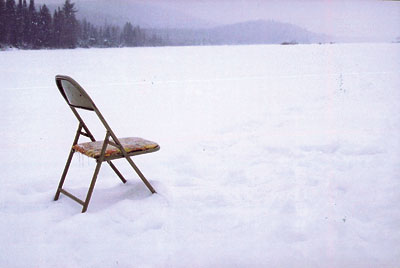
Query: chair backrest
[
  {"x": 73, "y": 93},
  {"x": 76, "y": 97}
]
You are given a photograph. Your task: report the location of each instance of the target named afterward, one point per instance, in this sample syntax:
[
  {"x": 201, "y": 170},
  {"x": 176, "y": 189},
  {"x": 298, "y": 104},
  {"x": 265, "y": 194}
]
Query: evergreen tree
[
  {"x": 2, "y": 21},
  {"x": 31, "y": 23},
  {"x": 127, "y": 36},
  {"x": 20, "y": 23},
  {"x": 115, "y": 36},
  {"x": 58, "y": 22},
  {"x": 88, "y": 36},
  {"x": 10, "y": 23},
  {"x": 94, "y": 36},
  {"x": 137, "y": 35},
  {"x": 106, "y": 36},
  {"x": 84, "y": 33},
  {"x": 26, "y": 22},
  {"x": 69, "y": 33},
  {"x": 134, "y": 36},
  {"x": 44, "y": 28},
  {"x": 140, "y": 36},
  {"x": 100, "y": 36}
]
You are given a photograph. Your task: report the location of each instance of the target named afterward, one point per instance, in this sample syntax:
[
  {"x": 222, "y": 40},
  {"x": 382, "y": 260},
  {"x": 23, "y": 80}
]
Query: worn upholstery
[{"x": 131, "y": 144}]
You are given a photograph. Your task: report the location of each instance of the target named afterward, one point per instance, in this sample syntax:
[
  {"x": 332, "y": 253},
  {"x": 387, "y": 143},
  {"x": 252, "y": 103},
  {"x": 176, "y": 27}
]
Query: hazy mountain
[
  {"x": 177, "y": 28},
  {"x": 250, "y": 32},
  {"x": 263, "y": 32}
]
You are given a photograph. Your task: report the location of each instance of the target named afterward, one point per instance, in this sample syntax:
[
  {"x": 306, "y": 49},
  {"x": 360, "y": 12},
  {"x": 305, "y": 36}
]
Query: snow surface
[{"x": 271, "y": 156}]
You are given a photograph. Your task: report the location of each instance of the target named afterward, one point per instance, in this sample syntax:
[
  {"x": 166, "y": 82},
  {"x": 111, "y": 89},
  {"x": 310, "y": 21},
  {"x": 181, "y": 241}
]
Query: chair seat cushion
[{"x": 131, "y": 144}]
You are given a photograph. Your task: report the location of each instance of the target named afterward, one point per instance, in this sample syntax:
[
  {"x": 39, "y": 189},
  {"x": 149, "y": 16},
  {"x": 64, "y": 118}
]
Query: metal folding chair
[{"x": 110, "y": 148}]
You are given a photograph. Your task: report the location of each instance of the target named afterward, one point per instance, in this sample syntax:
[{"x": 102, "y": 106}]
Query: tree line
[{"x": 25, "y": 26}]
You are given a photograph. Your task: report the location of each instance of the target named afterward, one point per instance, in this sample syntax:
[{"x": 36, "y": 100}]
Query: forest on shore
[{"x": 26, "y": 26}]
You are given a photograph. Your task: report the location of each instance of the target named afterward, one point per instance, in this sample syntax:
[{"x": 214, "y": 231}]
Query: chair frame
[{"x": 83, "y": 130}]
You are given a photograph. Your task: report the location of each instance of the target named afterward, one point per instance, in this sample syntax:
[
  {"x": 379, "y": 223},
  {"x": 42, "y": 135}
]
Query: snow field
[{"x": 279, "y": 156}]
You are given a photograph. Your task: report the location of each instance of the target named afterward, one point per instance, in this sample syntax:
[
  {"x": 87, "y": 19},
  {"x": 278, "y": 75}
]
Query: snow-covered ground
[{"x": 271, "y": 156}]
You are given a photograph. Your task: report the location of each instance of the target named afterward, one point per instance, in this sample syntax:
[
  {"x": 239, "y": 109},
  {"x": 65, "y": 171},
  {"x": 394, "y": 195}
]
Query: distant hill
[
  {"x": 250, "y": 32},
  {"x": 263, "y": 32},
  {"x": 177, "y": 28}
]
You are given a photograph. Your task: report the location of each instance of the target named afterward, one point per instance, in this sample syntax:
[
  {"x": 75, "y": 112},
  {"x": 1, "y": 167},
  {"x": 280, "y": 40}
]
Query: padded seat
[{"x": 130, "y": 144}]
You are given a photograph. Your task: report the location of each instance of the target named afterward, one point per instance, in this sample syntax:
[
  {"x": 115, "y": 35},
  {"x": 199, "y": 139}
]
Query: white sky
[{"x": 372, "y": 19}]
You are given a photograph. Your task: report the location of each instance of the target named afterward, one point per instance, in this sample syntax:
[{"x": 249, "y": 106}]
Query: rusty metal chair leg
[
  {"x": 71, "y": 154},
  {"x": 146, "y": 182},
  {"x": 92, "y": 184},
  {"x": 96, "y": 172},
  {"x": 64, "y": 175},
  {"x": 133, "y": 165},
  {"x": 117, "y": 171}
]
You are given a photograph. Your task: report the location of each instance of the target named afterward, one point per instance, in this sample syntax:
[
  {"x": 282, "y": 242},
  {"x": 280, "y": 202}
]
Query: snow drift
[{"x": 272, "y": 156}]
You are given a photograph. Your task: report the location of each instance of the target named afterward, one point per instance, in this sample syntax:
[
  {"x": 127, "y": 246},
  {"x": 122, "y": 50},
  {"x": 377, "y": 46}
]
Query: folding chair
[{"x": 110, "y": 148}]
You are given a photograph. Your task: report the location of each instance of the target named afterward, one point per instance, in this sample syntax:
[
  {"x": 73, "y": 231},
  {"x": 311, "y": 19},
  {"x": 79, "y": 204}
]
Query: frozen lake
[{"x": 271, "y": 156}]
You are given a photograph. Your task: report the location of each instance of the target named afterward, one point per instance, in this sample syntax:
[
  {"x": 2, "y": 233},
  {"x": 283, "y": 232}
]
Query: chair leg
[
  {"x": 90, "y": 191},
  {"x": 71, "y": 154},
  {"x": 117, "y": 171},
  {"x": 96, "y": 172},
  {"x": 133, "y": 165},
  {"x": 64, "y": 175}
]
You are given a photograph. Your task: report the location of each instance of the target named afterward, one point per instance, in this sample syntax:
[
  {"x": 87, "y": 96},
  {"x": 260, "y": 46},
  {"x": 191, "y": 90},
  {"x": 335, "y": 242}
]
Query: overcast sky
[{"x": 375, "y": 19}]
